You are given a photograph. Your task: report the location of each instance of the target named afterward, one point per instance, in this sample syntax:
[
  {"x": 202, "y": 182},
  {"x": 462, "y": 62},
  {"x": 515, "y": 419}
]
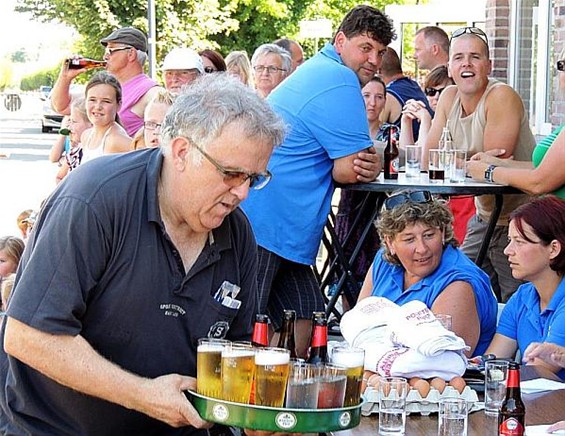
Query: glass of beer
[
  {"x": 303, "y": 386},
  {"x": 209, "y": 367},
  {"x": 333, "y": 379},
  {"x": 353, "y": 359},
  {"x": 238, "y": 368},
  {"x": 271, "y": 375}
]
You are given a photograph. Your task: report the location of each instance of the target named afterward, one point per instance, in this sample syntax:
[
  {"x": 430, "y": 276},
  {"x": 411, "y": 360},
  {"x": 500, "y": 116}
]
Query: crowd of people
[{"x": 225, "y": 175}]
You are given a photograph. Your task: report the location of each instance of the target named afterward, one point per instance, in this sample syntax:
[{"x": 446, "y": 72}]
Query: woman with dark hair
[
  {"x": 419, "y": 260},
  {"x": 536, "y": 252},
  {"x": 213, "y": 61},
  {"x": 103, "y": 96}
]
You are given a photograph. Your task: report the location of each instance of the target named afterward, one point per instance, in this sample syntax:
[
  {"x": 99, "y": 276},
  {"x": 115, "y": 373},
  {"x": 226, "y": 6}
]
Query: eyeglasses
[
  {"x": 431, "y": 92},
  {"x": 271, "y": 69},
  {"x": 472, "y": 30},
  {"x": 209, "y": 70},
  {"x": 110, "y": 51},
  {"x": 152, "y": 125},
  {"x": 235, "y": 178},
  {"x": 560, "y": 65},
  {"x": 418, "y": 197}
]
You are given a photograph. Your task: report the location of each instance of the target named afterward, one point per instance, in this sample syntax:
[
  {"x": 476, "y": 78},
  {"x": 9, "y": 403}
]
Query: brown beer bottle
[
  {"x": 391, "y": 155},
  {"x": 319, "y": 343},
  {"x": 260, "y": 337},
  {"x": 286, "y": 338},
  {"x": 80, "y": 63},
  {"x": 512, "y": 415}
]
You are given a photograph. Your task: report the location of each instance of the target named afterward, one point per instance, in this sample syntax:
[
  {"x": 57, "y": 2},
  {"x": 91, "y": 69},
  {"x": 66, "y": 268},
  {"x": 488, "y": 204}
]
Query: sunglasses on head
[
  {"x": 396, "y": 200},
  {"x": 560, "y": 65},
  {"x": 431, "y": 92},
  {"x": 472, "y": 30}
]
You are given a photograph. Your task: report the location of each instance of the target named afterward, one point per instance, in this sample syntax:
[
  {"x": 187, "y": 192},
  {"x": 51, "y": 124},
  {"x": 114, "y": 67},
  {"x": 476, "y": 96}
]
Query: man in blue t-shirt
[{"x": 328, "y": 141}]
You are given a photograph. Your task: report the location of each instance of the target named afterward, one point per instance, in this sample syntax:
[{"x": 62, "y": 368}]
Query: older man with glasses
[
  {"x": 104, "y": 324},
  {"x": 125, "y": 55},
  {"x": 483, "y": 114}
]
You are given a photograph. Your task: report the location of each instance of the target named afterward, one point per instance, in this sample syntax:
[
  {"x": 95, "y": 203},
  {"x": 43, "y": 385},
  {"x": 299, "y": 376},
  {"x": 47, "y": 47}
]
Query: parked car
[
  {"x": 44, "y": 92},
  {"x": 51, "y": 120}
]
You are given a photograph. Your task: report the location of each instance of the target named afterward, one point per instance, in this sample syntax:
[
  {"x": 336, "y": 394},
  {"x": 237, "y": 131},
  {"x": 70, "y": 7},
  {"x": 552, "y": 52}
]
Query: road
[{"x": 26, "y": 175}]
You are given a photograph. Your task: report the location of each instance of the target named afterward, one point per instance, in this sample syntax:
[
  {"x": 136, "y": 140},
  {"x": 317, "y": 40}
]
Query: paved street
[{"x": 26, "y": 176}]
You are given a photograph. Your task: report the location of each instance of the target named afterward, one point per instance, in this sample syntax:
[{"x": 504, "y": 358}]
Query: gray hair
[
  {"x": 214, "y": 101},
  {"x": 141, "y": 57},
  {"x": 266, "y": 49}
]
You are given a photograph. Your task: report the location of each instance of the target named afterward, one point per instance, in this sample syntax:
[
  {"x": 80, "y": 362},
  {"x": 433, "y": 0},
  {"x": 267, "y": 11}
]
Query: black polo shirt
[{"x": 99, "y": 264}]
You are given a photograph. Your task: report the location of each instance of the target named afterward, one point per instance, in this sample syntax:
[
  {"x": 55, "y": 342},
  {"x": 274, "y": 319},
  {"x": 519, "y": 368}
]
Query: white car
[{"x": 51, "y": 120}]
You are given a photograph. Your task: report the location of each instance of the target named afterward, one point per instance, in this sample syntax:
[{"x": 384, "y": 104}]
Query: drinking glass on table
[
  {"x": 209, "y": 366},
  {"x": 452, "y": 417},
  {"x": 436, "y": 165},
  {"x": 392, "y": 405},
  {"x": 413, "y": 161},
  {"x": 459, "y": 166},
  {"x": 271, "y": 376},
  {"x": 353, "y": 359},
  {"x": 496, "y": 372},
  {"x": 303, "y": 386}
]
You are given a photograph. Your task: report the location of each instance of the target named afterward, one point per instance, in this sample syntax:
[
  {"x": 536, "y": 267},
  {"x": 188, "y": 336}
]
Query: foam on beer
[
  {"x": 237, "y": 353},
  {"x": 349, "y": 360},
  {"x": 266, "y": 358},
  {"x": 209, "y": 348}
]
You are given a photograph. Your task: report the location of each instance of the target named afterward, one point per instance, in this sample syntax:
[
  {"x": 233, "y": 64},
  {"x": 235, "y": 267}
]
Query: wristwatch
[{"x": 489, "y": 173}]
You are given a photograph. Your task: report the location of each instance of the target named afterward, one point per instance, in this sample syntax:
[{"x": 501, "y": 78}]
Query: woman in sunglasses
[
  {"x": 419, "y": 260},
  {"x": 542, "y": 175}
]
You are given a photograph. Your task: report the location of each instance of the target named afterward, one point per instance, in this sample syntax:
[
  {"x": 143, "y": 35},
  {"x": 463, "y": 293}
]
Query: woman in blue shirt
[
  {"x": 536, "y": 252},
  {"x": 419, "y": 260}
]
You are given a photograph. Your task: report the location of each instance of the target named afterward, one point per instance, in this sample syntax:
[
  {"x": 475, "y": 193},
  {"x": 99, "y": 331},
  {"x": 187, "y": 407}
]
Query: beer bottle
[
  {"x": 391, "y": 155},
  {"x": 286, "y": 338},
  {"x": 260, "y": 337},
  {"x": 512, "y": 415},
  {"x": 319, "y": 343},
  {"x": 79, "y": 63}
]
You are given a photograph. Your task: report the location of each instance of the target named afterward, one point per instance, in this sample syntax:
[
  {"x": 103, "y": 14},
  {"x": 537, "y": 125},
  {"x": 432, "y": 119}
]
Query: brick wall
[{"x": 497, "y": 26}]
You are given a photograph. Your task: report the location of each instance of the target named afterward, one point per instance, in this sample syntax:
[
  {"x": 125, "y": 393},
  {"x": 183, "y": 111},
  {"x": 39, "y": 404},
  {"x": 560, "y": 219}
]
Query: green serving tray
[{"x": 274, "y": 418}]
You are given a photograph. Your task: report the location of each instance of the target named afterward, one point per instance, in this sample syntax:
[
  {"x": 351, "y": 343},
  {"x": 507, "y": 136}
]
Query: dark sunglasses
[
  {"x": 472, "y": 30},
  {"x": 431, "y": 92},
  {"x": 209, "y": 70},
  {"x": 396, "y": 200},
  {"x": 560, "y": 65}
]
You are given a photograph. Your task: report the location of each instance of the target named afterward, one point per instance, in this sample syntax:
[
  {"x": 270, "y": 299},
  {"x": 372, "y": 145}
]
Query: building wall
[
  {"x": 558, "y": 39},
  {"x": 498, "y": 31}
]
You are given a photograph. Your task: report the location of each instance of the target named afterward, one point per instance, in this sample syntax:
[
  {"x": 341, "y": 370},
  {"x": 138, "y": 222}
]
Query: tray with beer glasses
[{"x": 264, "y": 389}]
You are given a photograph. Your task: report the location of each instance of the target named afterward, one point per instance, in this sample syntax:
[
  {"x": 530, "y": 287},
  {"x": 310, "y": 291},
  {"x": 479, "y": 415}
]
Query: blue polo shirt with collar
[
  {"x": 388, "y": 282},
  {"x": 522, "y": 321},
  {"x": 321, "y": 102}
]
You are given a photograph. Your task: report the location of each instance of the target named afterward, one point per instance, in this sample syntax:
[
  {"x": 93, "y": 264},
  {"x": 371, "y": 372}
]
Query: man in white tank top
[{"x": 483, "y": 114}]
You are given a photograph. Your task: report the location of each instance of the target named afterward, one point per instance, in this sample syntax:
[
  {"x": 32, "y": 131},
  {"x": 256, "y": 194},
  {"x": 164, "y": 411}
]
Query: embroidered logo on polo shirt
[
  {"x": 172, "y": 310},
  {"x": 219, "y": 330}
]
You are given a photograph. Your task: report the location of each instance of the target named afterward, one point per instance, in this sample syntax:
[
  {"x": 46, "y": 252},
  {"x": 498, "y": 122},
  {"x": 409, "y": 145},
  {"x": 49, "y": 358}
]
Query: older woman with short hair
[
  {"x": 419, "y": 260},
  {"x": 271, "y": 64}
]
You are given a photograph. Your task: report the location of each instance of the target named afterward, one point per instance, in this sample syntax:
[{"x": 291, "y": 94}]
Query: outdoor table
[
  {"x": 341, "y": 264},
  {"x": 541, "y": 408}
]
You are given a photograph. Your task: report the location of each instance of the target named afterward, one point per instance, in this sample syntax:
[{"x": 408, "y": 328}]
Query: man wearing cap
[
  {"x": 181, "y": 66},
  {"x": 125, "y": 54}
]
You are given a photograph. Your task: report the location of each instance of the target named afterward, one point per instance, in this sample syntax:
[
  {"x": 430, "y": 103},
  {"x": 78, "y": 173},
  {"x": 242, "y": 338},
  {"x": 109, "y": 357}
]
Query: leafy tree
[{"x": 19, "y": 56}]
